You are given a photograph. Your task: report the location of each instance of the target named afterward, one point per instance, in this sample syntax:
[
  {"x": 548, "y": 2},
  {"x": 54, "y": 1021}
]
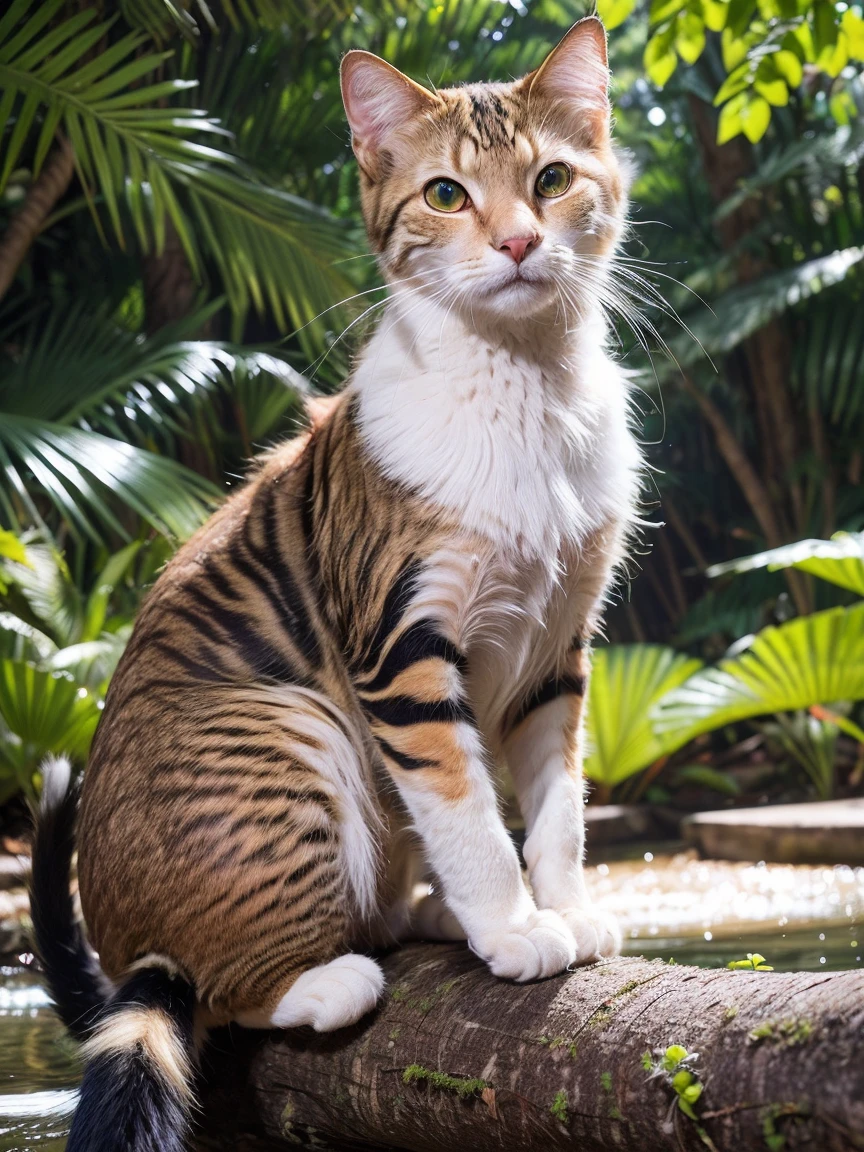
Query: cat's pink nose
[{"x": 518, "y": 246}]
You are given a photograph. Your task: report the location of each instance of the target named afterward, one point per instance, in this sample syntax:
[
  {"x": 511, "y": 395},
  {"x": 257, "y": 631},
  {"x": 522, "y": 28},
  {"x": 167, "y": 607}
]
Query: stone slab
[{"x": 827, "y": 832}]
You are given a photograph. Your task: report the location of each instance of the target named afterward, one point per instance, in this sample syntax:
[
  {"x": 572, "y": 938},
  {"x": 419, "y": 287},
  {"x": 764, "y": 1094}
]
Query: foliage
[
  {"x": 677, "y": 1068},
  {"x": 753, "y": 963},
  {"x": 810, "y": 660},
  {"x": 839, "y": 560},
  {"x": 150, "y": 163},
  {"x": 58, "y": 649},
  {"x": 627, "y": 683},
  {"x": 82, "y": 443},
  {"x": 765, "y": 45}
]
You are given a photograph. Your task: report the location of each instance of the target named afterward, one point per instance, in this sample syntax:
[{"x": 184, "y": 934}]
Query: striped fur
[{"x": 327, "y": 678}]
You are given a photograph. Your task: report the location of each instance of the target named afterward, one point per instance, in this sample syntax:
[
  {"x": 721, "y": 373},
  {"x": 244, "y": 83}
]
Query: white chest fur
[
  {"x": 525, "y": 440},
  {"x": 527, "y": 444}
]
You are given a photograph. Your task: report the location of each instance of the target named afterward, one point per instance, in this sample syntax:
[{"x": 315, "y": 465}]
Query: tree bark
[
  {"x": 25, "y": 225},
  {"x": 558, "y": 1064}
]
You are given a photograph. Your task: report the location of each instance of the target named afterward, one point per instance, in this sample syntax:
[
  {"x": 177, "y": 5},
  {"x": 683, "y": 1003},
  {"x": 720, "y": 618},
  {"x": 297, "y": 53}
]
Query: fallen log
[{"x": 455, "y": 1059}]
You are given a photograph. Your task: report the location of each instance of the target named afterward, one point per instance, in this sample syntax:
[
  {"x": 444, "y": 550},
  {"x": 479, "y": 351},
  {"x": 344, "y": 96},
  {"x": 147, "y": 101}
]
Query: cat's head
[{"x": 505, "y": 198}]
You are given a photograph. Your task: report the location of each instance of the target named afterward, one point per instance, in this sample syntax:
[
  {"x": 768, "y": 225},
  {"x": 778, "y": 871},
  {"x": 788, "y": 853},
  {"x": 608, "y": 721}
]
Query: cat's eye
[
  {"x": 445, "y": 195},
  {"x": 554, "y": 180}
]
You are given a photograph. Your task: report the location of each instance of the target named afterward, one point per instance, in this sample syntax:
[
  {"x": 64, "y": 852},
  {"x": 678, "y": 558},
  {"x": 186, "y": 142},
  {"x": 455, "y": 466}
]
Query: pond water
[{"x": 670, "y": 906}]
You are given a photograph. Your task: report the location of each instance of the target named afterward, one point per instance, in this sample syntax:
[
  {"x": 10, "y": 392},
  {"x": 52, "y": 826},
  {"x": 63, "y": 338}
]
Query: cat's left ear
[
  {"x": 379, "y": 100},
  {"x": 575, "y": 76}
]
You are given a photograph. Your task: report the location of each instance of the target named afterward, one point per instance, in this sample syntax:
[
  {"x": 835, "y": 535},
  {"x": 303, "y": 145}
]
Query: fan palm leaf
[
  {"x": 816, "y": 659},
  {"x": 627, "y": 681}
]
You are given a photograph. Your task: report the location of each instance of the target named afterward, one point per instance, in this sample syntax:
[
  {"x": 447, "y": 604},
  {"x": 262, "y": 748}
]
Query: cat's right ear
[{"x": 378, "y": 101}]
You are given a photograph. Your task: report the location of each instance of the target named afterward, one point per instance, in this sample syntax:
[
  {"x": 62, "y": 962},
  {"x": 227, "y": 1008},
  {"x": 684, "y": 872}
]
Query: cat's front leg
[
  {"x": 415, "y": 700},
  {"x": 544, "y": 752}
]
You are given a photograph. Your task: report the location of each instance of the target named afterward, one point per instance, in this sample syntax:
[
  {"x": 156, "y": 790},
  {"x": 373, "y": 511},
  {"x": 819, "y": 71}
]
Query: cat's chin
[{"x": 519, "y": 296}]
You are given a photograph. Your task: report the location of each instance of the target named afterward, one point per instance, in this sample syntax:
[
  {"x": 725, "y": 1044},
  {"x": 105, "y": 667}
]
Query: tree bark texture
[
  {"x": 556, "y": 1064},
  {"x": 48, "y": 187}
]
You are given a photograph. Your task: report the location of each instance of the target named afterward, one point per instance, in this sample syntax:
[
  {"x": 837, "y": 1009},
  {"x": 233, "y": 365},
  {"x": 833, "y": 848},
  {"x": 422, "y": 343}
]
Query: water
[
  {"x": 670, "y": 906},
  {"x": 39, "y": 1068}
]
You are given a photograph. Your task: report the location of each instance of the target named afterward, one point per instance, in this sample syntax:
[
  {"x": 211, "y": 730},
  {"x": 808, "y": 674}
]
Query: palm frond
[
  {"x": 45, "y": 712},
  {"x": 744, "y": 310},
  {"x": 839, "y": 560},
  {"x": 817, "y": 659},
  {"x": 150, "y": 163},
  {"x": 85, "y": 475},
  {"x": 627, "y": 681}
]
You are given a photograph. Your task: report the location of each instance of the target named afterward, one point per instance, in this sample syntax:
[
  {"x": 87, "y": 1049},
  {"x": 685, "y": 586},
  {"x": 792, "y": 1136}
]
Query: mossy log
[{"x": 455, "y": 1059}]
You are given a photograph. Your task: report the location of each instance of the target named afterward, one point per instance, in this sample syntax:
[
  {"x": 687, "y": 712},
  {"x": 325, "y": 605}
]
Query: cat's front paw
[
  {"x": 542, "y": 945},
  {"x": 596, "y": 933}
]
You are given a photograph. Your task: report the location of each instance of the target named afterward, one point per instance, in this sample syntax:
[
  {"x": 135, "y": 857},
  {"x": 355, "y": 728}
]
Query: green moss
[
  {"x": 396, "y": 1032},
  {"x": 787, "y": 1032},
  {"x": 629, "y": 987},
  {"x": 559, "y": 1107},
  {"x": 731, "y": 1012},
  {"x": 606, "y": 1081},
  {"x": 571, "y": 1048},
  {"x": 774, "y": 1139},
  {"x": 398, "y": 993},
  {"x": 463, "y": 1086}
]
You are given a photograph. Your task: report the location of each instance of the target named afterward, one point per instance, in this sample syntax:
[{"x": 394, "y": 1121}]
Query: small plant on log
[{"x": 753, "y": 963}]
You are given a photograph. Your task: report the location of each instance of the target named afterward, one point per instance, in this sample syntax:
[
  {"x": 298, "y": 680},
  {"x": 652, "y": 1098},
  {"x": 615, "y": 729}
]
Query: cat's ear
[
  {"x": 575, "y": 74},
  {"x": 378, "y": 101}
]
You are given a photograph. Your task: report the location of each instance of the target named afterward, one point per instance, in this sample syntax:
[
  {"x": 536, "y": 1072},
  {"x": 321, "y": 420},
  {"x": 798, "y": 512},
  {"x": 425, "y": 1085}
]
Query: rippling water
[
  {"x": 39, "y": 1069},
  {"x": 702, "y": 912}
]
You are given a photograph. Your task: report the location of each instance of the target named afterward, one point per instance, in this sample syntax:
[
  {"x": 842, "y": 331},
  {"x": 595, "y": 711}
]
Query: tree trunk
[
  {"x": 48, "y": 187},
  {"x": 554, "y": 1065}
]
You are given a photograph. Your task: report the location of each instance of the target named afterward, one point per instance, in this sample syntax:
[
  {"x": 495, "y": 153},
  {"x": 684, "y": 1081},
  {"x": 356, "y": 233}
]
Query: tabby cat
[{"x": 324, "y": 680}]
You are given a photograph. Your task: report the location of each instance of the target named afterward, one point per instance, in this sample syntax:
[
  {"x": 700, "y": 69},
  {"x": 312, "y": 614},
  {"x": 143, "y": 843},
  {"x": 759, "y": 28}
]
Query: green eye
[
  {"x": 445, "y": 195},
  {"x": 554, "y": 180}
]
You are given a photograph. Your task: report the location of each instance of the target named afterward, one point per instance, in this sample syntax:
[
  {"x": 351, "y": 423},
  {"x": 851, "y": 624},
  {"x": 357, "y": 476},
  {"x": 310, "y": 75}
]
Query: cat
[{"x": 324, "y": 680}]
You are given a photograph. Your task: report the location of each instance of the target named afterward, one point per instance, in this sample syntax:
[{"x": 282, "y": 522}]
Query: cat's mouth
[{"x": 520, "y": 282}]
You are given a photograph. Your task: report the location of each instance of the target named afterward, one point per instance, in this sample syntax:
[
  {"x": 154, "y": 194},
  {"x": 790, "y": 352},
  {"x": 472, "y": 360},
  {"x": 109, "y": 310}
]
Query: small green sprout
[
  {"x": 753, "y": 963},
  {"x": 677, "y": 1067},
  {"x": 559, "y": 1107}
]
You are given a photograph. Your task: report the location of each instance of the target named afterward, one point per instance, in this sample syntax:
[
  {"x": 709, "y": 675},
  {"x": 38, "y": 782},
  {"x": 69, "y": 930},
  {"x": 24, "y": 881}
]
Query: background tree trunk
[
  {"x": 48, "y": 187},
  {"x": 781, "y": 1057}
]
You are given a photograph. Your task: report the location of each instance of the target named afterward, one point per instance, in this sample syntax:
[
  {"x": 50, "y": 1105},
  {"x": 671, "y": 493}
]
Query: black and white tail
[{"x": 137, "y": 1091}]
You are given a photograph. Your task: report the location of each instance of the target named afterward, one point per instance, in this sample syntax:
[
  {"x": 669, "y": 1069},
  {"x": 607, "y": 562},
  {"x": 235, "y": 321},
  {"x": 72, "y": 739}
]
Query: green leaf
[
  {"x": 714, "y": 13},
  {"x": 660, "y": 71},
  {"x": 626, "y": 683},
  {"x": 614, "y": 12},
  {"x": 817, "y": 659},
  {"x": 47, "y": 712},
  {"x": 789, "y": 67},
  {"x": 690, "y": 37},
  {"x": 839, "y": 560},
  {"x": 755, "y": 117},
  {"x": 774, "y": 91},
  {"x": 11, "y": 548},
  {"x": 730, "y": 123},
  {"x": 737, "y": 80},
  {"x": 662, "y": 10},
  {"x": 733, "y": 48},
  {"x": 834, "y": 58},
  {"x": 826, "y": 25},
  {"x": 852, "y": 25},
  {"x": 739, "y": 16}
]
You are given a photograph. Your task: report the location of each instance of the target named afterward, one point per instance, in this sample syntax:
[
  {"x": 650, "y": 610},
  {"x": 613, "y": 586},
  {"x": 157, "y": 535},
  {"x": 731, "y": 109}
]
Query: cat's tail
[{"x": 137, "y": 1091}]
